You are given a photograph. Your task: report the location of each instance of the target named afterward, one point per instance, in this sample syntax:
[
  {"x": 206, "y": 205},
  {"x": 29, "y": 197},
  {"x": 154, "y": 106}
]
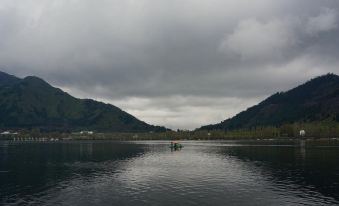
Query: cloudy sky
[{"x": 177, "y": 63}]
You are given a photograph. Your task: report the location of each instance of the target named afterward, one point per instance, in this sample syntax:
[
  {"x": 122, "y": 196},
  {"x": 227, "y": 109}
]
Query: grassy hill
[
  {"x": 33, "y": 103},
  {"x": 316, "y": 100}
]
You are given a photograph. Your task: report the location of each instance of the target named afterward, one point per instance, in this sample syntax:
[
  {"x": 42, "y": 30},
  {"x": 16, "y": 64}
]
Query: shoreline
[{"x": 168, "y": 140}]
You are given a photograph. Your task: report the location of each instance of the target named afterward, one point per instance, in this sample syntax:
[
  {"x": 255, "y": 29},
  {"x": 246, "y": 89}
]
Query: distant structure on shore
[
  {"x": 8, "y": 133},
  {"x": 87, "y": 132},
  {"x": 302, "y": 133}
]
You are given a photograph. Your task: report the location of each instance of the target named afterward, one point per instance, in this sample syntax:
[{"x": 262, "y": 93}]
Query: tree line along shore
[{"x": 315, "y": 130}]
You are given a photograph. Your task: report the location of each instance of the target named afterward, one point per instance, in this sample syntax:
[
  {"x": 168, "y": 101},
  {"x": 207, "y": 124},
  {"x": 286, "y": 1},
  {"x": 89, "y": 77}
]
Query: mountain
[
  {"x": 33, "y": 103},
  {"x": 316, "y": 100},
  {"x": 6, "y": 79}
]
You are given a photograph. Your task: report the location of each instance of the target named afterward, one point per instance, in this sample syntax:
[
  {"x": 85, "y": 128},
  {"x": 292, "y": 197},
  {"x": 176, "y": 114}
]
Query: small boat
[{"x": 176, "y": 145}]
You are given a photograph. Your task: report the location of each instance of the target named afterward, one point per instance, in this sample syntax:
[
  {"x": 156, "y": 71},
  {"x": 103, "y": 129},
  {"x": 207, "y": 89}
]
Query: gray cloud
[
  {"x": 174, "y": 55},
  {"x": 325, "y": 21}
]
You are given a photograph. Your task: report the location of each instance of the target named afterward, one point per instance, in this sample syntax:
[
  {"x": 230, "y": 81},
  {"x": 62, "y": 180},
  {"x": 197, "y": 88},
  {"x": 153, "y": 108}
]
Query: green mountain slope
[
  {"x": 316, "y": 100},
  {"x": 33, "y": 103},
  {"x": 6, "y": 79}
]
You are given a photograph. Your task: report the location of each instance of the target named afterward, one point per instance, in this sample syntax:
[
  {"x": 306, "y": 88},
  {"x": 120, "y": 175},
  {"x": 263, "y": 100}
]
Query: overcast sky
[{"x": 176, "y": 63}]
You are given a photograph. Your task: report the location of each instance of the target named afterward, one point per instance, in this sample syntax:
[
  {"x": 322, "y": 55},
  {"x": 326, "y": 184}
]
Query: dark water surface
[{"x": 149, "y": 173}]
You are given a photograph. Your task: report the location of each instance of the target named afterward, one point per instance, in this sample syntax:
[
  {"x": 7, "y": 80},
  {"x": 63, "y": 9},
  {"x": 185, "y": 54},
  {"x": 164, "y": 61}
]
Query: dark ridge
[
  {"x": 33, "y": 103},
  {"x": 6, "y": 79},
  {"x": 315, "y": 100}
]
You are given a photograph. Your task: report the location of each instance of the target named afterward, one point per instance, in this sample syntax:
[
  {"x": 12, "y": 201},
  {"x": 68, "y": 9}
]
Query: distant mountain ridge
[
  {"x": 315, "y": 100},
  {"x": 6, "y": 79},
  {"x": 33, "y": 103}
]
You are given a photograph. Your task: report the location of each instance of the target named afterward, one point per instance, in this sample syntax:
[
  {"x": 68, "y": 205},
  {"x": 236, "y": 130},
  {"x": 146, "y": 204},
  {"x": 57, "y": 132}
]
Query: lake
[{"x": 150, "y": 173}]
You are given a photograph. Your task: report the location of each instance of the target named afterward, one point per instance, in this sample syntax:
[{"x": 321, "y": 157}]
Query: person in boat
[{"x": 175, "y": 145}]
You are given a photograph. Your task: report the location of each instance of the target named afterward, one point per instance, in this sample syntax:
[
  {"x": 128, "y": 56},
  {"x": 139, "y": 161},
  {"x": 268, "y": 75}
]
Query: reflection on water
[{"x": 149, "y": 173}]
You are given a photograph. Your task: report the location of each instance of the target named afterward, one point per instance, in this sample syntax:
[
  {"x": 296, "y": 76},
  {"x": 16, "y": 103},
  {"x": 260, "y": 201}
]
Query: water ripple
[{"x": 148, "y": 173}]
